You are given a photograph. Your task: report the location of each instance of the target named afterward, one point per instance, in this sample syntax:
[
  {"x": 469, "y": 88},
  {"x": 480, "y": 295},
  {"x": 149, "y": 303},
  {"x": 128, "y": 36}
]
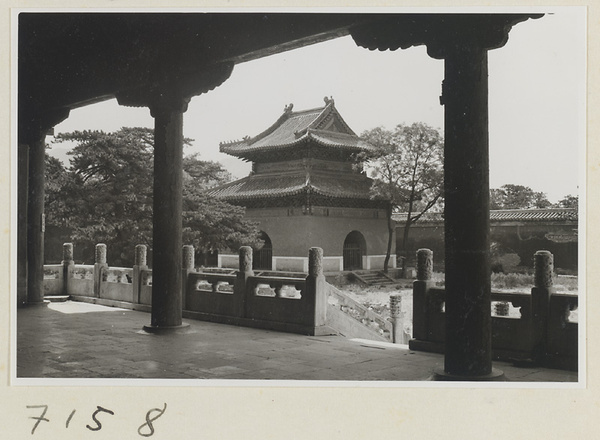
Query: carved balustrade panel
[
  {"x": 52, "y": 271},
  {"x": 213, "y": 282},
  {"x": 83, "y": 272},
  {"x": 117, "y": 275},
  {"x": 146, "y": 277},
  {"x": 277, "y": 287},
  {"x": 511, "y": 305}
]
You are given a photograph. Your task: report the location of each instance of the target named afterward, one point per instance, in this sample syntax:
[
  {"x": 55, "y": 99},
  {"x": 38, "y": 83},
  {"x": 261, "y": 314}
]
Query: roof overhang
[{"x": 67, "y": 60}]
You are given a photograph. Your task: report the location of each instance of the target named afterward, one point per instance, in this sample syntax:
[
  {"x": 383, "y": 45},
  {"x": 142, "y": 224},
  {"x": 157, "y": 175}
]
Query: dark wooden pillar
[
  {"x": 166, "y": 236},
  {"x": 168, "y": 99},
  {"x": 22, "y": 191},
  {"x": 35, "y": 221},
  {"x": 33, "y": 127},
  {"x": 468, "y": 353},
  {"x": 462, "y": 41}
]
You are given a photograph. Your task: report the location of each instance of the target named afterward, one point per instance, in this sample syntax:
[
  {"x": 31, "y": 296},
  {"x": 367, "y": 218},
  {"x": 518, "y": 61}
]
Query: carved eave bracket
[
  {"x": 443, "y": 34},
  {"x": 175, "y": 91},
  {"x": 33, "y": 126}
]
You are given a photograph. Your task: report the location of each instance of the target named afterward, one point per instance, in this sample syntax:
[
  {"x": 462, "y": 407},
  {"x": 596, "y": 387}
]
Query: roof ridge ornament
[
  {"x": 329, "y": 100},
  {"x": 288, "y": 108}
]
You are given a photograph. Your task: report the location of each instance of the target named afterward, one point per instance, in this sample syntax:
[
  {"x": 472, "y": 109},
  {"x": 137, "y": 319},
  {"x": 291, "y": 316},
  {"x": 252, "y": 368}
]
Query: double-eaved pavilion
[{"x": 307, "y": 189}]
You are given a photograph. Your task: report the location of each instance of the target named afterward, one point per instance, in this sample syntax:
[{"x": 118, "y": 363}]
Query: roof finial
[
  {"x": 328, "y": 100},
  {"x": 288, "y": 108}
]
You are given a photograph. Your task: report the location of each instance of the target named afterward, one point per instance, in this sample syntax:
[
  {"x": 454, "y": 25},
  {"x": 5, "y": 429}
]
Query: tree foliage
[
  {"x": 568, "y": 201},
  {"x": 406, "y": 164},
  {"x": 517, "y": 197},
  {"x": 105, "y": 196}
]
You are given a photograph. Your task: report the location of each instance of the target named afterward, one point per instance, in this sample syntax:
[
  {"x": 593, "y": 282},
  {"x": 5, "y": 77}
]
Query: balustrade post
[
  {"x": 421, "y": 288},
  {"x": 543, "y": 263},
  {"x": 399, "y": 336},
  {"x": 68, "y": 264},
  {"x": 188, "y": 264},
  {"x": 239, "y": 287},
  {"x": 100, "y": 266},
  {"x": 316, "y": 286},
  {"x": 139, "y": 265}
]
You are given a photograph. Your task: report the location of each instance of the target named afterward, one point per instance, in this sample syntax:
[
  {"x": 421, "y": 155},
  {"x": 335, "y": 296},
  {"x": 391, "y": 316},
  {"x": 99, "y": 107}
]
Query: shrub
[{"x": 511, "y": 281}]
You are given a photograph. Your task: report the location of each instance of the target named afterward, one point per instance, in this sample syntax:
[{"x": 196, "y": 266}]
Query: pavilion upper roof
[{"x": 323, "y": 126}]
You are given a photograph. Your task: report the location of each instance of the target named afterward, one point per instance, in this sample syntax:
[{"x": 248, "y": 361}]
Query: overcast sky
[{"x": 536, "y": 100}]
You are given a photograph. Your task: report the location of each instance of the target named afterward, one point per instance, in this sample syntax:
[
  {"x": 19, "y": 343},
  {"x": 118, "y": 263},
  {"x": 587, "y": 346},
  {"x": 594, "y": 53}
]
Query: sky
[{"x": 536, "y": 100}]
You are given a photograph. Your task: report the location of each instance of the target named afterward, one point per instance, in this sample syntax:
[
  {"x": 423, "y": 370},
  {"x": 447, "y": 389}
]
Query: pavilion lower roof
[{"x": 259, "y": 186}]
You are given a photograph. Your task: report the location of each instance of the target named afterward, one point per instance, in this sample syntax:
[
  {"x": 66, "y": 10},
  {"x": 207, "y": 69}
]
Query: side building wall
[{"x": 521, "y": 239}]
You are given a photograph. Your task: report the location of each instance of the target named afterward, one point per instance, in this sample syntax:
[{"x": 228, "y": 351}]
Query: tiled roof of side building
[
  {"x": 269, "y": 186},
  {"x": 507, "y": 215},
  {"x": 293, "y": 128}
]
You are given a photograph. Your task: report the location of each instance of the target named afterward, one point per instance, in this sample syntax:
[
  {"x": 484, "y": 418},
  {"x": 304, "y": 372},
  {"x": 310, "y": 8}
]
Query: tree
[
  {"x": 56, "y": 177},
  {"x": 406, "y": 165},
  {"x": 517, "y": 197},
  {"x": 108, "y": 195},
  {"x": 568, "y": 201},
  {"x": 57, "y": 231}
]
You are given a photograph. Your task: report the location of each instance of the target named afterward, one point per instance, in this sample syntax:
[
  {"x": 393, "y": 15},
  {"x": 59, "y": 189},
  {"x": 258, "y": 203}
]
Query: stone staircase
[
  {"x": 353, "y": 320},
  {"x": 371, "y": 277}
]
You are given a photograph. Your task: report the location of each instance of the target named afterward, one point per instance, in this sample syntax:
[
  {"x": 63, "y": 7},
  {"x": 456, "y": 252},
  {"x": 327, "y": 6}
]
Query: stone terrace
[{"x": 80, "y": 340}]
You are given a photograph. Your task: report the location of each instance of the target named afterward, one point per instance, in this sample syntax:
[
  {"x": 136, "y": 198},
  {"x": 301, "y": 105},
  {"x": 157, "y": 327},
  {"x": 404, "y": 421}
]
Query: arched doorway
[
  {"x": 355, "y": 247},
  {"x": 263, "y": 257}
]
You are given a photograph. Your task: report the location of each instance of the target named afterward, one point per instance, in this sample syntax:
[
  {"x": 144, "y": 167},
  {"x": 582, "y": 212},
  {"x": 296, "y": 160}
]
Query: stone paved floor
[{"x": 78, "y": 340}]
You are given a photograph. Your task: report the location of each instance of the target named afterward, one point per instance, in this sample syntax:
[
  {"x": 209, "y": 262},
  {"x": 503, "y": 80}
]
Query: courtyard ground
[{"x": 79, "y": 340}]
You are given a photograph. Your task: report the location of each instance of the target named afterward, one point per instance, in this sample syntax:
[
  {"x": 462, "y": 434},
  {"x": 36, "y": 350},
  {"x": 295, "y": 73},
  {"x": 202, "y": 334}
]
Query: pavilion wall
[{"x": 293, "y": 232}]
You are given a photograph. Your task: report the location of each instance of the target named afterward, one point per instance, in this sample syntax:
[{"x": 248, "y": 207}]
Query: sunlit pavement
[{"x": 79, "y": 340}]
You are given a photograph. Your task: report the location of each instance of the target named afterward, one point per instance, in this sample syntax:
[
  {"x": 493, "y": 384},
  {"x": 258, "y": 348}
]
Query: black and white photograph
[{"x": 338, "y": 199}]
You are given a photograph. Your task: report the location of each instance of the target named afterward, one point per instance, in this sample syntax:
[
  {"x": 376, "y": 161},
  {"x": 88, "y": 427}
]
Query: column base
[
  {"x": 43, "y": 303},
  {"x": 495, "y": 376},
  {"x": 163, "y": 329}
]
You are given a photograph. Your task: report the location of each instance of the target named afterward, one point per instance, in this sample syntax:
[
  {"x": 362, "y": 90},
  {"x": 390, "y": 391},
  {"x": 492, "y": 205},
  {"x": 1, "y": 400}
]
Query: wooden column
[
  {"x": 168, "y": 98},
  {"x": 22, "y": 184},
  {"x": 35, "y": 221},
  {"x": 466, "y": 170},
  {"x": 31, "y": 181},
  {"x": 462, "y": 40},
  {"x": 166, "y": 236}
]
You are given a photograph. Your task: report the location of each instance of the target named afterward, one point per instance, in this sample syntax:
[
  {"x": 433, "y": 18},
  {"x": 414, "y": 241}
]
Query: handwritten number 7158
[{"x": 145, "y": 430}]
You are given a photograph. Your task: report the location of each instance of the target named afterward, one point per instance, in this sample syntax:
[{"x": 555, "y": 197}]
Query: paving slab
[{"x": 76, "y": 340}]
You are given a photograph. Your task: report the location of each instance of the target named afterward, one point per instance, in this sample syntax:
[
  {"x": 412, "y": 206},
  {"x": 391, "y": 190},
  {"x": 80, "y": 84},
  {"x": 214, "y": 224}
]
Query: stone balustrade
[
  {"x": 293, "y": 303},
  {"x": 535, "y": 327},
  {"x": 538, "y": 326}
]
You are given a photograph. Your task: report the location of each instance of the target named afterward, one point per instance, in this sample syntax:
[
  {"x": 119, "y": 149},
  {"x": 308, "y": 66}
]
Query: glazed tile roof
[
  {"x": 508, "y": 215},
  {"x": 294, "y": 128},
  {"x": 279, "y": 185}
]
